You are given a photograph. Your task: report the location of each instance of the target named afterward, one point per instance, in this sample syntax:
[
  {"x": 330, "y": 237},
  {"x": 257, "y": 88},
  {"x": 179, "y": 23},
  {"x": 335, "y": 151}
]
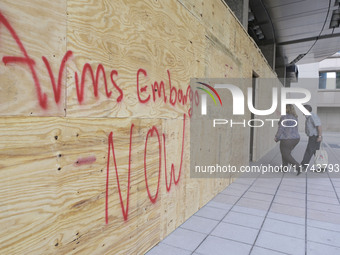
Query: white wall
[{"x": 326, "y": 103}]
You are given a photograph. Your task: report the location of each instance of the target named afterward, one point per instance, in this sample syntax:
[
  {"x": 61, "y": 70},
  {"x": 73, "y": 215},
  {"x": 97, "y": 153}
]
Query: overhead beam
[{"x": 314, "y": 38}]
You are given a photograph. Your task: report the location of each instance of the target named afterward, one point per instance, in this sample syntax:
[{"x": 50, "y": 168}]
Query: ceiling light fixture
[
  {"x": 261, "y": 36},
  {"x": 251, "y": 16},
  {"x": 256, "y": 27},
  {"x": 335, "y": 20}
]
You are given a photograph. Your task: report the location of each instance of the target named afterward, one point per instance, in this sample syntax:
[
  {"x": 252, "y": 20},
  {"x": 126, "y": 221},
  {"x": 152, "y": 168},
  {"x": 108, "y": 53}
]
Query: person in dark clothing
[
  {"x": 314, "y": 132},
  {"x": 288, "y": 135}
]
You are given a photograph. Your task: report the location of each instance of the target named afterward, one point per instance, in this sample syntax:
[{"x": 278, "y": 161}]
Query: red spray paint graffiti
[
  {"x": 153, "y": 199},
  {"x": 85, "y": 161},
  {"x": 176, "y": 96},
  {"x": 42, "y": 97},
  {"x": 87, "y": 68},
  {"x": 57, "y": 89},
  {"x": 172, "y": 172},
  {"x": 150, "y": 133},
  {"x": 24, "y": 60},
  {"x": 125, "y": 209}
]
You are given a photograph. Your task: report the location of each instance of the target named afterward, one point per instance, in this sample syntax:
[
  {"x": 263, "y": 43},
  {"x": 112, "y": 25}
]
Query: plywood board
[
  {"x": 53, "y": 185},
  {"x": 152, "y": 42},
  {"x": 29, "y": 31},
  {"x": 176, "y": 154},
  {"x": 84, "y": 171}
]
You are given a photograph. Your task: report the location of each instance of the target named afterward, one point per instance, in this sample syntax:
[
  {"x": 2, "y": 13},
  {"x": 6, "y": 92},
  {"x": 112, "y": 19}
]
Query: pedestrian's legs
[
  {"x": 282, "y": 150},
  {"x": 286, "y": 147},
  {"x": 312, "y": 146}
]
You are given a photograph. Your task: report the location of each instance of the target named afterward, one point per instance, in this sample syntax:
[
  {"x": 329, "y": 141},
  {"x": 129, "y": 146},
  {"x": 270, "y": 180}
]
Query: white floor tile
[
  {"x": 235, "y": 233},
  {"x": 312, "y": 191},
  {"x": 281, "y": 243},
  {"x": 292, "y": 194},
  {"x": 324, "y": 207},
  {"x": 296, "y": 189},
  {"x": 262, "y": 251},
  {"x": 290, "y": 201},
  {"x": 323, "y": 225},
  {"x": 323, "y": 216},
  {"x": 258, "y": 196},
  {"x": 211, "y": 213},
  {"x": 264, "y": 190},
  {"x": 232, "y": 192},
  {"x": 253, "y": 203},
  {"x": 164, "y": 249},
  {"x": 321, "y": 249},
  {"x": 284, "y": 228},
  {"x": 323, "y": 236},
  {"x": 248, "y": 210},
  {"x": 288, "y": 210},
  {"x": 323, "y": 199},
  {"x": 219, "y": 246},
  {"x": 219, "y": 205},
  {"x": 199, "y": 224},
  {"x": 225, "y": 199},
  {"x": 184, "y": 239},
  {"x": 245, "y": 220},
  {"x": 286, "y": 218}
]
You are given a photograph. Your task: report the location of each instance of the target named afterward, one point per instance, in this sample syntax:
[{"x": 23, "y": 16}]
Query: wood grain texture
[
  {"x": 157, "y": 36},
  {"x": 173, "y": 212},
  {"x": 54, "y": 183},
  {"x": 49, "y": 202},
  {"x": 41, "y": 28},
  {"x": 58, "y": 205}
]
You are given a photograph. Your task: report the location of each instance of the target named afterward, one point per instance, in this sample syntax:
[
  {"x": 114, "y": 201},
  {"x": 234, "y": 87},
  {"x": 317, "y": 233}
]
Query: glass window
[
  {"x": 338, "y": 80},
  {"x": 322, "y": 80},
  {"x": 329, "y": 80}
]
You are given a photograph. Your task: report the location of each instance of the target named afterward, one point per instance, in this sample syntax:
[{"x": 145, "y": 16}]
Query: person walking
[
  {"x": 288, "y": 135},
  {"x": 313, "y": 130}
]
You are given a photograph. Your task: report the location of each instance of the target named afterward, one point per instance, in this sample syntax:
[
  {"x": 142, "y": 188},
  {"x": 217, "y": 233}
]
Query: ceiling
[{"x": 300, "y": 29}]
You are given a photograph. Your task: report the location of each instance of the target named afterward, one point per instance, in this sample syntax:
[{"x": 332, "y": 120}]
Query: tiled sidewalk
[{"x": 282, "y": 214}]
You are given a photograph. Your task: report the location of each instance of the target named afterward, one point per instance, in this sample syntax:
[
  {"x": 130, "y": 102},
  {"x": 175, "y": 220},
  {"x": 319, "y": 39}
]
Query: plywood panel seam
[{"x": 192, "y": 13}]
